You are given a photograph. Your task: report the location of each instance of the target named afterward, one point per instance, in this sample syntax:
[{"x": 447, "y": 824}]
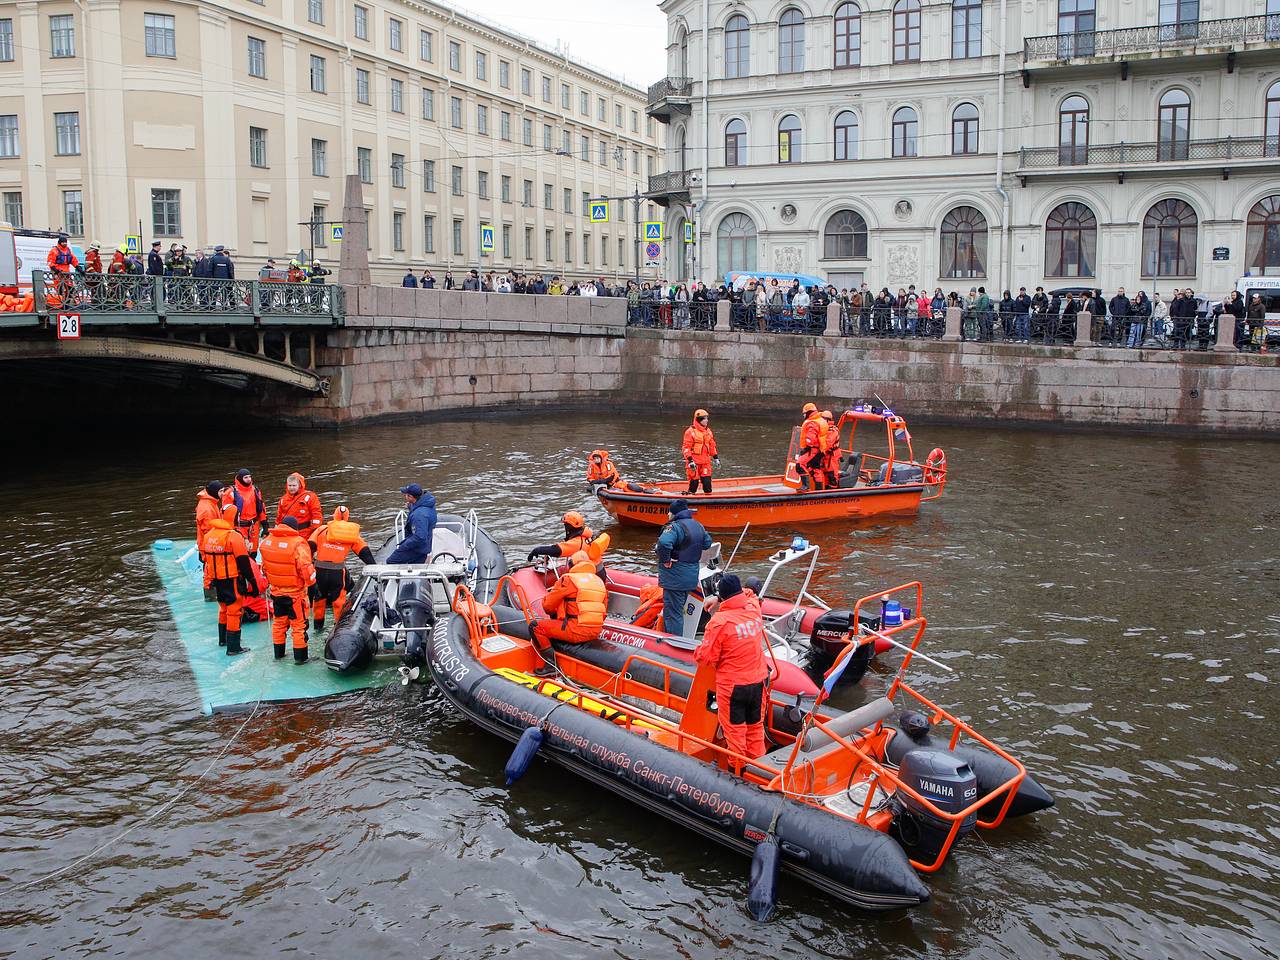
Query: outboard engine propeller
[{"x": 949, "y": 783}]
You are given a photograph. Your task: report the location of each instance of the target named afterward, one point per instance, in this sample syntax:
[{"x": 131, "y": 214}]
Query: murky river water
[{"x": 1110, "y": 606}]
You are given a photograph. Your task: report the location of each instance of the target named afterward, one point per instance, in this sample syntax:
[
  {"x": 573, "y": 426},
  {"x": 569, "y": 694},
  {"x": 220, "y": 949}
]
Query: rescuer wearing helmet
[
  {"x": 809, "y": 458},
  {"x": 577, "y": 536},
  {"x": 830, "y": 451},
  {"x": 734, "y": 645},
  {"x": 330, "y": 545},
  {"x": 229, "y": 574},
  {"x": 286, "y": 561},
  {"x": 699, "y": 451},
  {"x": 576, "y": 604},
  {"x": 301, "y": 504}
]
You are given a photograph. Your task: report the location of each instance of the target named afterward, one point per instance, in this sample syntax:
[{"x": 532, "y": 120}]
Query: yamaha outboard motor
[
  {"x": 828, "y": 639},
  {"x": 947, "y": 782}
]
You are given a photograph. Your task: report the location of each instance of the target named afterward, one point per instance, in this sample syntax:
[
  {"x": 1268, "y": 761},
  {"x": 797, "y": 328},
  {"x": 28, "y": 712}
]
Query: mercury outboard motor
[
  {"x": 828, "y": 639},
  {"x": 947, "y": 782}
]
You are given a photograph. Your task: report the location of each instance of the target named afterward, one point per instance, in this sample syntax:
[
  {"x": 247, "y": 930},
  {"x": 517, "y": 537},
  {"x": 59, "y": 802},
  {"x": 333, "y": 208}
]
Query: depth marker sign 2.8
[{"x": 68, "y": 326}]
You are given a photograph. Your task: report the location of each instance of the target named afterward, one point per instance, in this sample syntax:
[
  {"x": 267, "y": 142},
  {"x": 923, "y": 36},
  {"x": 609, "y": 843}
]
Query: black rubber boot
[
  {"x": 233, "y": 644},
  {"x": 299, "y": 655},
  {"x": 222, "y": 634},
  {"x": 318, "y": 625},
  {"x": 279, "y": 649}
]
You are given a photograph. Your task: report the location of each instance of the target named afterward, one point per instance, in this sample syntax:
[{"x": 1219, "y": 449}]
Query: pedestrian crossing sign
[
  {"x": 688, "y": 232},
  {"x": 653, "y": 229},
  {"x": 486, "y": 238},
  {"x": 335, "y": 232},
  {"x": 599, "y": 211},
  {"x": 133, "y": 243}
]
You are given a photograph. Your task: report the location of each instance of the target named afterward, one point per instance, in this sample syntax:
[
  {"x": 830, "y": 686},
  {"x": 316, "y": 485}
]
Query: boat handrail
[
  {"x": 783, "y": 558},
  {"x": 917, "y": 610},
  {"x": 522, "y": 598},
  {"x": 402, "y": 517}
]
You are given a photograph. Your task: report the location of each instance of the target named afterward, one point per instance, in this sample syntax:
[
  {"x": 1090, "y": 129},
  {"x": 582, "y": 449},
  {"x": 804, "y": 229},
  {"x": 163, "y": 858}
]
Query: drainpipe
[
  {"x": 1006, "y": 253},
  {"x": 706, "y": 132}
]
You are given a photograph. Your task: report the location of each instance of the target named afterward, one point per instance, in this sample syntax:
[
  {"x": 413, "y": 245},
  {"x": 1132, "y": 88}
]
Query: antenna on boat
[{"x": 737, "y": 545}]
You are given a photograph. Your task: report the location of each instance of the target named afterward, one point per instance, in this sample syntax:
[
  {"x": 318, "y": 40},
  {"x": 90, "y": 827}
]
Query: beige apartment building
[{"x": 234, "y": 122}]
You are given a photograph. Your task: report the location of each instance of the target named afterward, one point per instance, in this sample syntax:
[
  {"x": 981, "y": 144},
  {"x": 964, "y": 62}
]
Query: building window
[
  {"x": 364, "y": 164},
  {"x": 737, "y": 47},
  {"x": 159, "y": 34},
  {"x": 66, "y": 128},
  {"x": 482, "y": 184},
  {"x": 548, "y": 192},
  {"x": 361, "y": 22},
  {"x": 788, "y": 139},
  {"x": 1070, "y": 241},
  {"x": 526, "y": 195},
  {"x": 966, "y": 29},
  {"x": 505, "y": 187},
  {"x": 586, "y": 249},
  {"x": 586, "y": 204},
  {"x": 319, "y": 233},
  {"x": 362, "y": 85},
  {"x": 526, "y": 81},
  {"x": 455, "y": 181},
  {"x": 528, "y": 243},
  {"x": 546, "y": 89},
  {"x": 428, "y": 176},
  {"x": 319, "y": 158},
  {"x": 526, "y": 132},
  {"x": 166, "y": 213},
  {"x": 317, "y": 74},
  {"x": 397, "y": 169},
  {"x": 506, "y": 241},
  {"x": 504, "y": 125},
  {"x": 9, "y": 144},
  {"x": 1169, "y": 240},
  {"x": 964, "y": 129},
  {"x": 426, "y": 46},
  {"x": 457, "y": 238},
  {"x": 455, "y": 56},
  {"x": 905, "y": 130},
  {"x": 617, "y": 115},
  {"x": 586, "y": 149},
  {"x": 568, "y": 200},
  {"x": 604, "y": 250},
  {"x": 736, "y": 243},
  {"x": 1073, "y": 131},
  {"x": 1077, "y": 22},
  {"x": 428, "y": 234},
  {"x": 635, "y": 117},
  {"x": 791, "y": 42},
  {"x": 735, "y": 143},
  {"x": 845, "y": 236},
  {"x": 504, "y": 74},
  {"x": 584, "y": 103},
  {"x": 482, "y": 65},
  {"x": 455, "y": 112},
  {"x": 1179, "y": 19},
  {"x": 397, "y": 230},
  {"x": 6, "y": 51},
  {"x": 62, "y": 39},
  {"x": 315, "y": 13},
  {"x": 906, "y": 31},
  {"x": 395, "y": 37},
  {"x": 73, "y": 212},
  {"x": 1262, "y": 236},
  {"x": 546, "y": 136},
  {"x": 548, "y": 245},
  {"x": 482, "y": 119},
  {"x": 603, "y": 153},
  {"x": 568, "y": 246},
  {"x": 601, "y": 109},
  {"x": 257, "y": 58},
  {"x": 1273, "y": 120},
  {"x": 564, "y": 96},
  {"x": 1174, "y": 135},
  {"x": 846, "y": 136},
  {"x": 682, "y": 53},
  {"x": 428, "y": 103},
  {"x": 848, "y": 35},
  {"x": 397, "y": 96},
  {"x": 12, "y": 208},
  {"x": 566, "y": 142},
  {"x": 964, "y": 244}
]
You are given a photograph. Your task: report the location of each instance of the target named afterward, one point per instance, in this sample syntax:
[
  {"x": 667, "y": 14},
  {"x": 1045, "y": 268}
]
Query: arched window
[
  {"x": 1073, "y": 131},
  {"x": 1262, "y": 238},
  {"x": 906, "y": 31},
  {"x": 737, "y": 47},
  {"x": 905, "y": 128},
  {"x": 966, "y": 29},
  {"x": 846, "y": 136},
  {"x": 845, "y": 236},
  {"x": 789, "y": 139},
  {"x": 1273, "y": 117},
  {"x": 736, "y": 243},
  {"x": 1175, "y": 125},
  {"x": 791, "y": 41},
  {"x": 848, "y": 35},
  {"x": 964, "y": 244},
  {"x": 735, "y": 143},
  {"x": 1070, "y": 241},
  {"x": 1169, "y": 240},
  {"x": 964, "y": 129},
  {"x": 682, "y": 48}
]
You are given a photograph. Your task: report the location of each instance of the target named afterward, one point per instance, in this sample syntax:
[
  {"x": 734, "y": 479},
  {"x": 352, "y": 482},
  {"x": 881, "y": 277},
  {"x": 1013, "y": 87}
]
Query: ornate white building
[{"x": 969, "y": 142}]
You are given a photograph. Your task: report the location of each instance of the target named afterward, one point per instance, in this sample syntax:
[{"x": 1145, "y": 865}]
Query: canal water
[{"x": 1109, "y": 606}]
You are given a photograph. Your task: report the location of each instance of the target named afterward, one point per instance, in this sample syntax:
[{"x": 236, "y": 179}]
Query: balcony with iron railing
[
  {"x": 670, "y": 187},
  {"x": 669, "y": 97},
  {"x": 1220, "y": 154},
  {"x": 1174, "y": 39}
]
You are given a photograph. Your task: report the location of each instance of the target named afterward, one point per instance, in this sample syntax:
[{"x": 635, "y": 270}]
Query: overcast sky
[{"x": 626, "y": 37}]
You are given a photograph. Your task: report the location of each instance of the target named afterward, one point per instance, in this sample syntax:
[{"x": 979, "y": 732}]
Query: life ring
[{"x": 935, "y": 467}]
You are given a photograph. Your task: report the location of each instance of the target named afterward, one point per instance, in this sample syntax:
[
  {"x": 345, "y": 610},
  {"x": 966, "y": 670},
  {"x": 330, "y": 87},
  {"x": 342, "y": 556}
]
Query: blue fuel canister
[{"x": 891, "y": 614}]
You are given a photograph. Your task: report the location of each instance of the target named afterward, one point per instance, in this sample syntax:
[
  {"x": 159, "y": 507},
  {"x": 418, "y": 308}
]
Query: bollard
[
  {"x": 1226, "y": 333},
  {"x": 722, "y": 314},
  {"x": 1084, "y": 329},
  {"x": 833, "y": 320},
  {"x": 952, "y": 332}
]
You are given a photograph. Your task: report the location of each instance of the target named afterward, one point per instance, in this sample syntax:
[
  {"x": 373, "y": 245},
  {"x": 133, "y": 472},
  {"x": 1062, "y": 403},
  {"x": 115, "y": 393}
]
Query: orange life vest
[
  {"x": 587, "y": 603},
  {"x": 334, "y": 541},
  {"x": 222, "y": 544},
  {"x": 592, "y": 544},
  {"x": 649, "y": 612},
  {"x": 207, "y": 511},
  {"x": 699, "y": 443},
  {"x": 286, "y": 561},
  {"x": 813, "y": 434}
]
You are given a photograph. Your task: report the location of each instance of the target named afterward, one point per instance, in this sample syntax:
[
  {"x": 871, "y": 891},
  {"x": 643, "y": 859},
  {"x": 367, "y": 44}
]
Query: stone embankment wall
[{"x": 411, "y": 353}]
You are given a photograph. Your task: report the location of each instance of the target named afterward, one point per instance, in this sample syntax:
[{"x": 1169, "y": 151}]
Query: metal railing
[
  {"x": 124, "y": 295},
  {"x": 670, "y": 88},
  {"x": 1119, "y": 154},
  {"x": 673, "y": 314},
  {"x": 674, "y": 181},
  {"x": 1168, "y": 36}
]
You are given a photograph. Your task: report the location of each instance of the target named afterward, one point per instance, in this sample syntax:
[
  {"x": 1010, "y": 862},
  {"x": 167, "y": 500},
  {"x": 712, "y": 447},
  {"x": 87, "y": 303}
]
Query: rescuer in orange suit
[
  {"x": 699, "y": 451},
  {"x": 577, "y": 604},
  {"x": 577, "y": 536},
  {"x": 813, "y": 439},
  {"x": 301, "y": 504},
  {"x": 228, "y": 572},
  {"x": 733, "y": 644},
  {"x": 286, "y": 560},
  {"x": 208, "y": 509},
  {"x": 251, "y": 508},
  {"x": 330, "y": 544},
  {"x": 601, "y": 471},
  {"x": 831, "y": 451},
  {"x": 61, "y": 258},
  {"x": 649, "y": 610}
]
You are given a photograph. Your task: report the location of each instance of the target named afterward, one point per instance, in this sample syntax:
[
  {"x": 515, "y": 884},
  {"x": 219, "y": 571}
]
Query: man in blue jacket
[
  {"x": 416, "y": 545},
  {"x": 680, "y": 547}
]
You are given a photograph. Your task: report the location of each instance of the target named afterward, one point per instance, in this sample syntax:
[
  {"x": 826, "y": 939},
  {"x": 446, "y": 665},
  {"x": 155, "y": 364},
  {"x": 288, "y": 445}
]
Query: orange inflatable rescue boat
[{"x": 873, "y": 471}]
